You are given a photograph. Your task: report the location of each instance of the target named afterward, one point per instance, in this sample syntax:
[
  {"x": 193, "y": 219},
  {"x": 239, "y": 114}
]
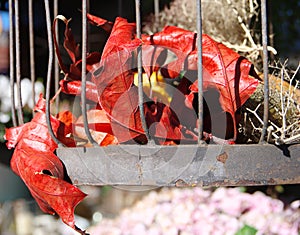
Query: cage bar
[
  {"x": 12, "y": 62},
  {"x": 18, "y": 63},
  {"x": 83, "y": 73},
  {"x": 49, "y": 72},
  {"x": 56, "y": 65},
  {"x": 265, "y": 68},
  {"x": 139, "y": 70},
  {"x": 200, "y": 72},
  {"x": 31, "y": 48}
]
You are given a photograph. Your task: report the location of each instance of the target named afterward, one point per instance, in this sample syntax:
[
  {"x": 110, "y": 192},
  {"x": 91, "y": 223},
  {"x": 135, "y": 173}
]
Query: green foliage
[{"x": 246, "y": 230}]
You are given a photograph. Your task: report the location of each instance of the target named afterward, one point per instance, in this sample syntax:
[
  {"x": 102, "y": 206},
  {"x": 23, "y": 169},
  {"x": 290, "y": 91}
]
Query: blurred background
[{"x": 284, "y": 30}]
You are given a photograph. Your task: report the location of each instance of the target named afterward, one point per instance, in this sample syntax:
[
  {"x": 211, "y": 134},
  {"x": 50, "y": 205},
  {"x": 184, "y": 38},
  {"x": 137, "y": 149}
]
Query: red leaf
[
  {"x": 70, "y": 45},
  {"x": 74, "y": 72},
  {"x": 99, "y": 125},
  {"x": 74, "y": 88},
  {"x": 165, "y": 124},
  {"x": 117, "y": 94},
  {"x": 65, "y": 129},
  {"x": 104, "y": 24},
  {"x": 180, "y": 41},
  {"x": 40, "y": 169},
  {"x": 223, "y": 69},
  {"x": 227, "y": 72},
  {"x": 153, "y": 58},
  {"x": 92, "y": 61}
]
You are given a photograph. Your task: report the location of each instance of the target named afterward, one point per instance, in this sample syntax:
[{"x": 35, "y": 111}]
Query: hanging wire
[
  {"x": 156, "y": 14},
  {"x": 12, "y": 62},
  {"x": 156, "y": 8},
  {"x": 31, "y": 50},
  {"x": 56, "y": 65},
  {"x": 200, "y": 72},
  {"x": 265, "y": 68},
  {"x": 83, "y": 73},
  {"x": 140, "y": 72},
  {"x": 18, "y": 63},
  {"x": 49, "y": 72}
]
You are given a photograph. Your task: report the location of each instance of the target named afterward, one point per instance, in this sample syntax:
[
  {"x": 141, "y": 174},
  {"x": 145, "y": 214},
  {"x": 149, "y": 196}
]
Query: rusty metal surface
[{"x": 184, "y": 165}]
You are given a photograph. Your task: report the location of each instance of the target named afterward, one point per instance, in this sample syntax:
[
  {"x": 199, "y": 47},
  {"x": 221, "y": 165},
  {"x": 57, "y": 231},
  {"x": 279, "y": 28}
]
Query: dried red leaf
[
  {"x": 70, "y": 45},
  {"x": 92, "y": 61},
  {"x": 117, "y": 94},
  {"x": 74, "y": 71},
  {"x": 223, "y": 69},
  {"x": 104, "y": 24},
  {"x": 227, "y": 72},
  {"x": 74, "y": 88},
  {"x": 180, "y": 41},
  {"x": 65, "y": 129},
  {"x": 99, "y": 125},
  {"x": 153, "y": 58},
  {"x": 40, "y": 169},
  {"x": 164, "y": 122}
]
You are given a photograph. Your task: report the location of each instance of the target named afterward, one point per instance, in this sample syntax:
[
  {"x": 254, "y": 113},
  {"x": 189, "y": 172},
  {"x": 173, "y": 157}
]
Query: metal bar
[
  {"x": 184, "y": 165},
  {"x": 31, "y": 49},
  {"x": 265, "y": 68},
  {"x": 18, "y": 63},
  {"x": 200, "y": 72},
  {"x": 156, "y": 10},
  {"x": 88, "y": 7},
  {"x": 56, "y": 65},
  {"x": 140, "y": 72},
  {"x": 156, "y": 14},
  {"x": 83, "y": 73},
  {"x": 12, "y": 62},
  {"x": 49, "y": 72}
]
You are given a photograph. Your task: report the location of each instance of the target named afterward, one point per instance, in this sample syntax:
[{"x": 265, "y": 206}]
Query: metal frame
[{"x": 183, "y": 165}]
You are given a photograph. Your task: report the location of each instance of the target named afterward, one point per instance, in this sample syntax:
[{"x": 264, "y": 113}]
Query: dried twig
[{"x": 284, "y": 103}]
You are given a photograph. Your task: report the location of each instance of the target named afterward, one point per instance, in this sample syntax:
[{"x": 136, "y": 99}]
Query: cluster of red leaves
[
  {"x": 226, "y": 75},
  {"x": 117, "y": 116}
]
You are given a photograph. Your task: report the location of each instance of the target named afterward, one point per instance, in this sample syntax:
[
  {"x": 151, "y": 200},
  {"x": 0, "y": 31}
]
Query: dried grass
[{"x": 235, "y": 23}]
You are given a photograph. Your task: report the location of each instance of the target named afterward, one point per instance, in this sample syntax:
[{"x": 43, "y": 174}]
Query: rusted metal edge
[{"x": 183, "y": 165}]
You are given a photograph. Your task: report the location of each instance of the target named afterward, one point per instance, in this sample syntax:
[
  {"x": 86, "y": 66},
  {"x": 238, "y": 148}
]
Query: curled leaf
[{"x": 40, "y": 169}]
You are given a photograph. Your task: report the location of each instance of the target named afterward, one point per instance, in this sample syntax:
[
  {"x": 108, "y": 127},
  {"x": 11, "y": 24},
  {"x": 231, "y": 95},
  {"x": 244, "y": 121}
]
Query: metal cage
[{"x": 153, "y": 165}]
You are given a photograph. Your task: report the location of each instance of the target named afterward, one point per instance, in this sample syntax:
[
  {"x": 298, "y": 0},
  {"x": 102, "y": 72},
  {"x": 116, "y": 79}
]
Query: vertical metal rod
[
  {"x": 56, "y": 65},
  {"x": 156, "y": 9},
  {"x": 265, "y": 68},
  {"x": 18, "y": 63},
  {"x": 200, "y": 72},
  {"x": 12, "y": 62},
  {"x": 31, "y": 49},
  {"x": 83, "y": 73},
  {"x": 49, "y": 72},
  {"x": 88, "y": 7},
  {"x": 140, "y": 72},
  {"x": 156, "y": 14}
]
